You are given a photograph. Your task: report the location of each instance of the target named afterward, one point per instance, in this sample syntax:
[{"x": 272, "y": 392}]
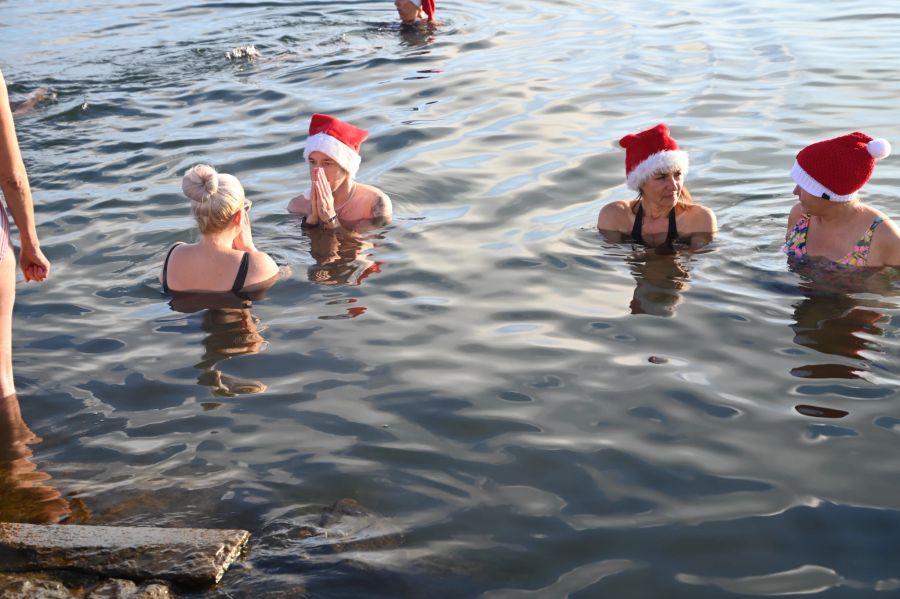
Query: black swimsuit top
[
  {"x": 238, "y": 280},
  {"x": 636, "y": 234}
]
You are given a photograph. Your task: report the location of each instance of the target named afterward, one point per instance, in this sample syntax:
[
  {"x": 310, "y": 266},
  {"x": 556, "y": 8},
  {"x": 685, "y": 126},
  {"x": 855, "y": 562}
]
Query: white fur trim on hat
[
  {"x": 335, "y": 149},
  {"x": 418, "y": 3},
  {"x": 667, "y": 160},
  {"x": 814, "y": 188}
]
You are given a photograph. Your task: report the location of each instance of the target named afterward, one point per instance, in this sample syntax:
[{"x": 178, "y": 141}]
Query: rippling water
[{"x": 514, "y": 407}]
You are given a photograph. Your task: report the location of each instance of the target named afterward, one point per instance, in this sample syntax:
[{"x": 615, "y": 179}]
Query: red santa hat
[
  {"x": 835, "y": 169},
  {"x": 649, "y": 152},
  {"x": 336, "y": 139},
  {"x": 427, "y": 6}
]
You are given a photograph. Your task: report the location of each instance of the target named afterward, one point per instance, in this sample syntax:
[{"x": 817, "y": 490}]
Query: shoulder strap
[
  {"x": 241, "y": 273},
  {"x": 638, "y": 224},
  {"x": 672, "y": 235},
  {"x": 870, "y": 232},
  {"x": 878, "y": 220},
  {"x": 165, "y": 273}
]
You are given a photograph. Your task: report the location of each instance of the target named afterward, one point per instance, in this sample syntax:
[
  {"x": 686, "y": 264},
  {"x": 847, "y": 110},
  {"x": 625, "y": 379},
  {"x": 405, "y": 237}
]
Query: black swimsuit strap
[
  {"x": 165, "y": 275},
  {"x": 672, "y": 235},
  {"x": 241, "y": 273},
  {"x": 638, "y": 224},
  {"x": 638, "y": 236}
]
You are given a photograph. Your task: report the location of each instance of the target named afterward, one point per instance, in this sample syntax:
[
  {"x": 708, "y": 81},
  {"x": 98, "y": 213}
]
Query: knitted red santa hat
[
  {"x": 427, "y": 6},
  {"x": 336, "y": 139},
  {"x": 835, "y": 169},
  {"x": 649, "y": 152}
]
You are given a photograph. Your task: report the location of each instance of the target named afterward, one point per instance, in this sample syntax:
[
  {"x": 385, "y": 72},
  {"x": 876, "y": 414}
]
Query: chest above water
[{"x": 841, "y": 241}]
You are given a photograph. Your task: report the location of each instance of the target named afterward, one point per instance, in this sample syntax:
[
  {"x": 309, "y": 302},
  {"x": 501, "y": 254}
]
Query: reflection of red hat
[
  {"x": 835, "y": 169},
  {"x": 336, "y": 139},
  {"x": 649, "y": 152},
  {"x": 427, "y": 6}
]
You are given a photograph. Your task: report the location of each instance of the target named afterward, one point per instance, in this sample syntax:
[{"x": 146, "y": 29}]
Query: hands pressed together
[{"x": 321, "y": 201}]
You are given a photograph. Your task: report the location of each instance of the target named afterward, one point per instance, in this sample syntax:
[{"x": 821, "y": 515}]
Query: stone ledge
[{"x": 187, "y": 556}]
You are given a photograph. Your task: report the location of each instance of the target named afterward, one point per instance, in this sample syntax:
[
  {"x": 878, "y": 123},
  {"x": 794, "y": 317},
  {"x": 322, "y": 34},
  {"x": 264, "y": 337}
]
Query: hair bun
[{"x": 200, "y": 182}]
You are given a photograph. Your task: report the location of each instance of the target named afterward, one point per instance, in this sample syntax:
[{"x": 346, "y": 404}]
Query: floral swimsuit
[{"x": 795, "y": 245}]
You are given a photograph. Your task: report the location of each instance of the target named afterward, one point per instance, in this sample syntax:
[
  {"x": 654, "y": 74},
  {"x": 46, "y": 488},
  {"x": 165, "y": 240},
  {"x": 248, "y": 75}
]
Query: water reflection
[
  {"x": 25, "y": 495},
  {"x": 838, "y": 322},
  {"x": 232, "y": 330},
  {"x": 660, "y": 279},
  {"x": 341, "y": 256},
  {"x": 417, "y": 34}
]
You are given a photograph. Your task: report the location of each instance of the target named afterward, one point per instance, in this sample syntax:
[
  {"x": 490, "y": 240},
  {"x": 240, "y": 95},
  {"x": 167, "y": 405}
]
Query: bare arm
[{"x": 16, "y": 190}]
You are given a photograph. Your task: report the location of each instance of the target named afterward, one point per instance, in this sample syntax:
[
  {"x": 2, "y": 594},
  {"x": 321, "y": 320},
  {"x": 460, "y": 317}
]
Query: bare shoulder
[
  {"x": 299, "y": 205},
  {"x": 886, "y": 243},
  {"x": 615, "y": 216},
  {"x": 263, "y": 267},
  {"x": 702, "y": 219},
  {"x": 794, "y": 216},
  {"x": 378, "y": 202}
]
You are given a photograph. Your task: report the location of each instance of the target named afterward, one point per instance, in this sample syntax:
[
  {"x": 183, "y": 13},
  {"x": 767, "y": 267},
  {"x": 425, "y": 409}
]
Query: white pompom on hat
[
  {"x": 336, "y": 139},
  {"x": 835, "y": 169},
  {"x": 649, "y": 152}
]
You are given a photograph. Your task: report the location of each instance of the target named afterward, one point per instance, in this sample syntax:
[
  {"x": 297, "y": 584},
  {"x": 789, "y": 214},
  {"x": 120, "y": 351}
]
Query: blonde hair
[{"x": 215, "y": 197}]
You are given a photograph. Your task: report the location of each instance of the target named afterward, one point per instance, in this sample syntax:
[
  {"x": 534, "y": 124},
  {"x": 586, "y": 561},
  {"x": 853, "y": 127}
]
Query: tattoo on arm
[{"x": 378, "y": 209}]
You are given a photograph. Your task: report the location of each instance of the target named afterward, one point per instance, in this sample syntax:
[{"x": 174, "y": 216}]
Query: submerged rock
[
  {"x": 346, "y": 525},
  {"x": 31, "y": 584},
  {"x": 125, "y": 589},
  {"x": 248, "y": 52},
  {"x": 52, "y": 585}
]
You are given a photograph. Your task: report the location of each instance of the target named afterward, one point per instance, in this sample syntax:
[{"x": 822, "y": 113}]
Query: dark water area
[{"x": 483, "y": 399}]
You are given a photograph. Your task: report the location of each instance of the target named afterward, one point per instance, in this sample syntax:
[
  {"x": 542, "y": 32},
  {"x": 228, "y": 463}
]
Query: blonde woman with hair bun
[{"x": 224, "y": 259}]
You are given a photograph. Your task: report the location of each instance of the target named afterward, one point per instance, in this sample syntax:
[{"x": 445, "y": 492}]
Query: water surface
[{"x": 516, "y": 407}]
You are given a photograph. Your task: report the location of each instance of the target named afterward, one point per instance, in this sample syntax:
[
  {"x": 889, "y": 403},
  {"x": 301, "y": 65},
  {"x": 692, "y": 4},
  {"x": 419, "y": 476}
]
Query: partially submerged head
[
  {"x": 836, "y": 169},
  {"x": 654, "y": 166},
  {"x": 410, "y": 10},
  {"x": 333, "y": 146},
  {"x": 215, "y": 197}
]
